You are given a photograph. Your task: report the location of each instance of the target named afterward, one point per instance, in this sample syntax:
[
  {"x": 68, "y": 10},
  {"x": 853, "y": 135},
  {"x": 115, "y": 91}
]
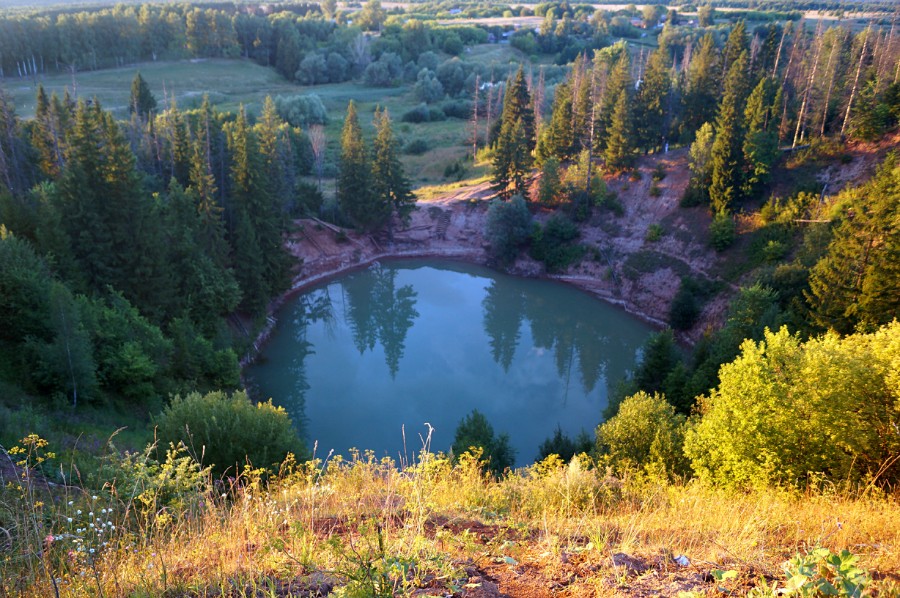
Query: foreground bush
[
  {"x": 646, "y": 435},
  {"x": 789, "y": 413},
  {"x": 228, "y": 431}
]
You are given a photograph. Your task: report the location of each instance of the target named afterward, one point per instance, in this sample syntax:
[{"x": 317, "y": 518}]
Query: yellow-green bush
[
  {"x": 788, "y": 412},
  {"x": 229, "y": 431}
]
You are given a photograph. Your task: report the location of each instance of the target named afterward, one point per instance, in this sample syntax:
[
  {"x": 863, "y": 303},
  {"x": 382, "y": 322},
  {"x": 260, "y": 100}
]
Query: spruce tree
[
  {"x": 549, "y": 186},
  {"x": 582, "y": 81},
  {"x": 276, "y": 180},
  {"x": 618, "y": 83},
  {"x": 48, "y": 135},
  {"x": 142, "y": 101},
  {"x": 726, "y": 158},
  {"x": 204, "y": 290},
  {"x": 512, "y": 160},
  {"x": 652, "y": 98},
  {"x": 735, "y": 46},
  {"x": 109, "y": 218},
  {"x": 203, "y": 185},
  {"x": 620, "y": 145},
  {"x": 701, "y": 87},
  {"x": 517, "y": 105},
  {"x": 557, "y": 139},
  {"x": 389, "y": 182},
  {"x": 858, "y": 279},
  {"x": 355, "y": 195},
  {"x": 251, "y": 221},
  {"x": 760, "y": 141}
]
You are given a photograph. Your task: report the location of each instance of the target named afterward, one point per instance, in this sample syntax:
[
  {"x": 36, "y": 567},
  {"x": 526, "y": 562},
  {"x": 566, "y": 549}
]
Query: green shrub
[
  {"x": 659, "y": 173},
  {"x": 824, "y": 573},
  {"x": 685, "y": 308},
  {"x": 694, "y": 196},
  {"x": 554, "y": 244},
  {"x": 654, "y": 233},
  {"x": 646, "y": 434},
  {"x": 789, "y": 413},
  {"x": 774, "y": 251},
  {"x": 475, "y": 431},
  {"x": 722, "y": 231},
  {"x": 508, "y": 227},
  {"x": 228, "y": 431},
  {"x": 563, "y": 446},
  {"x": 302, "y": 110},
  {"x": 416, "y": 147},
  {"x": 655, "y": 191},
  {"x": 423, "y": 114}
]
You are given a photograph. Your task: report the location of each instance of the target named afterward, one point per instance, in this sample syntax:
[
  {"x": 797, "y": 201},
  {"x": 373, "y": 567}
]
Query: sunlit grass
[{"x": 373, "y": 528}]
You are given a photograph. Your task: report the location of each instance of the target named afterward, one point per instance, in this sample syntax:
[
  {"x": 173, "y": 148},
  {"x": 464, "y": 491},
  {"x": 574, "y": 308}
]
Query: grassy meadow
[{"x": 231, "y": 83}]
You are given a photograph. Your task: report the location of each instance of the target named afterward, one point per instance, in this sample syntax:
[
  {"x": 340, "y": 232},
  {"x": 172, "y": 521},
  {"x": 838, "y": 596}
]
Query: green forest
[{"x": 145, "y": 243}]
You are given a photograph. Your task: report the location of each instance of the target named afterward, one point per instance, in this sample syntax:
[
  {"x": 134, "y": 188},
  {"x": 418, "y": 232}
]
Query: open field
[{"x": 230, "y": 83}]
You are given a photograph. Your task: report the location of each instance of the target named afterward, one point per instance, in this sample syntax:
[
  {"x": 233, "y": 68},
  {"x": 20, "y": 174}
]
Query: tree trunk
[
  {"x": 862, "y": 58},
  {"x": 801, "y": 127}
]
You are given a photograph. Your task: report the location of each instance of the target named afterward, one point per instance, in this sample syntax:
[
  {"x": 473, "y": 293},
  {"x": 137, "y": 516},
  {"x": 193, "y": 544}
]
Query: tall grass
[{"x": 368, "y": 527}]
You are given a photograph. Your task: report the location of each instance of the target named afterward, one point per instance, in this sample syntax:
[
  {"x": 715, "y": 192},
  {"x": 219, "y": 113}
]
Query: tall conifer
[
  {"x": 727, "y": 178},
  {"x": 354, "y": 182},
  {"x": 389, "y": 182}
]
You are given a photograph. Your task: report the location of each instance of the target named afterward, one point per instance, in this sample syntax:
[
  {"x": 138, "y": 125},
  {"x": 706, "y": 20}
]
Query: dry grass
[{"x": 370, "y": 528}]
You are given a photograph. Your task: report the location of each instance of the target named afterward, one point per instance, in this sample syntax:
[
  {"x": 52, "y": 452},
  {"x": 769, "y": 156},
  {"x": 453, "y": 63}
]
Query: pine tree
[
  {"x": 251, "y": 220},
  {"x": 702, "y": 86},
  {"x": 389, "y": 182},
  {"x": 512, "y": 160},
  {"x": 620, "y": 144},
  {"x": 618, "y": 83},
  {"x": 142, "y": 101},
  {"x": 858, "y": 280},
  {"x": 760, "y": 143},
  {"x": 726, "y": 158},
  {"x": 517, "y": 105},
  {"x": 354, "y": 182},
  {"x": 652, "y": 98},
  {"x": 735, "y": 46},
  {"x": 549, "y": 187},
  {"x": 557, "y": 139}
]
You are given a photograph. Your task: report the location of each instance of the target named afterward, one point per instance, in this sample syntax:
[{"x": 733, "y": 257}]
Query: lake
[{"x": 360, "y": 359}]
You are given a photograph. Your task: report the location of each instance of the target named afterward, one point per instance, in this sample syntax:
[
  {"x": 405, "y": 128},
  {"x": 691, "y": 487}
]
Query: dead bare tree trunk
[
  {"x": 810, "y": 81},
  {"x": 830, "y": 69},
  {"x": 538, "y": 95},
  {"x": 475, "y": 120},
  {"x": 317, "y": 142},
  {"x": 862, "y": 58}
]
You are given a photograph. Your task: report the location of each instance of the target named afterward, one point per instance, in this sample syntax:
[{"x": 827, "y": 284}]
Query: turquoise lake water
[{"x": 359, "y": 359}]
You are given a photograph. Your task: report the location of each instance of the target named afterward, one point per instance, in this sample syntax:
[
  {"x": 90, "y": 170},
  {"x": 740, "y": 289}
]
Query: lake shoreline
[{"x": 346, "y": 259}]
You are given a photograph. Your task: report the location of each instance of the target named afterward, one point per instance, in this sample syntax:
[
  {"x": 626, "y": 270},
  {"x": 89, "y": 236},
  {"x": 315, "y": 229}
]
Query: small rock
[
  {"x": 479, "y": 587},
  {"x": 630, "y": 563}
]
